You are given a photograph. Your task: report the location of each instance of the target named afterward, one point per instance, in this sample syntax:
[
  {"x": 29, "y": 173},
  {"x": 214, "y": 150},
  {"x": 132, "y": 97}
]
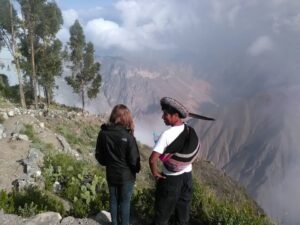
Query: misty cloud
[
  {"x": 260, "y": 45},
  {"x": 200, "y": 31},
  {"x": 69, "y": 17},
  {"x": 107, "y": 34}
]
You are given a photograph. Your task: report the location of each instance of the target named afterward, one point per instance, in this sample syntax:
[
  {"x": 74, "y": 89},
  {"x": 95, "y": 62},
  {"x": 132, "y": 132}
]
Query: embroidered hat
[{"x": 167, "y": 102}]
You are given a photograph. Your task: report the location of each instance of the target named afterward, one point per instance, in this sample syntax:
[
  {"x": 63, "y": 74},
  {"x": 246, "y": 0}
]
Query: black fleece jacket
[{"x": 117, "y": 150}]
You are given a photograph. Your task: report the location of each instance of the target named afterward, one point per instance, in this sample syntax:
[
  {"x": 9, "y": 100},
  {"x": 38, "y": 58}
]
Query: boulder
[
  {"x": 49, "y": 218},
  {"x": 103, "y": 217},
  {"x": 4, "y": 115},
  {"x": 11, "y": 113},
  {"x": 22, "y": 137}
]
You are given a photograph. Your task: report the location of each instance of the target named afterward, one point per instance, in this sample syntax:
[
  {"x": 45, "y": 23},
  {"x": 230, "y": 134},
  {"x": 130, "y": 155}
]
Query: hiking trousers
[
  {"x": 173, "y": 194},
  {"x": 120, "y": 195}
]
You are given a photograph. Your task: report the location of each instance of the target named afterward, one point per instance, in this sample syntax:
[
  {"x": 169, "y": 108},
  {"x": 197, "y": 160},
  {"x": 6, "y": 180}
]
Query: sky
[
  {"x": 210, "y": 34},
  {"x": 175, "y": 29}
]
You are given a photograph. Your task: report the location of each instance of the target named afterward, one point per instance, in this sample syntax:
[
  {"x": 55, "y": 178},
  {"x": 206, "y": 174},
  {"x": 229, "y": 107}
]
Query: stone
[
  {"x": 69, "y": 221},
  {"x": 56, "y": 187},
  {"x": 49, "y": 218},
  {"x": 20, "y": 184},
  {"x": 11, "y": 113},
  {"x": 103, "y": 217},
  {"x": 22, "y": 137},
  {"x": 4, "y": 115},
  {"x": 65, "y": 145},
  {"x": 17, "y": 111},
  {"x": 42, "y": 125},
  {"x": 10, "y": 219}
]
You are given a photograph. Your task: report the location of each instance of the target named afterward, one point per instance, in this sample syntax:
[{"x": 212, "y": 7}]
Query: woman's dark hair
[{"x": 121, "y": 115}]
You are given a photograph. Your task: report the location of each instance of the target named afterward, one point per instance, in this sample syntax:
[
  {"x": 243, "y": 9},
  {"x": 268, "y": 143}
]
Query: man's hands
[
  {"x": 153, "y": 166},
  {"x": 158, "y": 176}
]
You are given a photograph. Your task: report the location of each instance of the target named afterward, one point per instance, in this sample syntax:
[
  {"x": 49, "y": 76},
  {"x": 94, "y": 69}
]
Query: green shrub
[
  {"x": 143, "y": 204},
  {"x": 32, "y": 201},
  {"x": 28, "y": 210},
  {"x": 70, "y": 135},
  {"x": 83, "y": 184},
  {"x": 29, "y": 131},
  {"x": 80, "y": 136},
  {"x": 6, "y": 202},
  {"x": 36, "y": 141},
  {"x": 207, "y": 209},
  {"x": 1, "y": 118},
  {"x": 29, "y": 202}
]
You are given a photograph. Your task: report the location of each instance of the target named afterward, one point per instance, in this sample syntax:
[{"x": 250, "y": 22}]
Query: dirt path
[
  {"x": 12, "y": 151},
  {"x": 10, "y": 168}
]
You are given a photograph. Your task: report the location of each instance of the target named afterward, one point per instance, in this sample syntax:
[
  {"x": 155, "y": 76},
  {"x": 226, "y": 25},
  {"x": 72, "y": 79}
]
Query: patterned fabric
[{"x": 182, "y": 151}]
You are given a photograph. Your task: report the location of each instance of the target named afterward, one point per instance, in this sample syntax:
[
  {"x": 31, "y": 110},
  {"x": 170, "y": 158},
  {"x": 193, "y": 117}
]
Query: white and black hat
[{"x": 167, "y": 102}]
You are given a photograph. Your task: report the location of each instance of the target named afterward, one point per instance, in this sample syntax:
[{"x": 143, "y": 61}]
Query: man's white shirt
[{"x": 166, "y": 138}]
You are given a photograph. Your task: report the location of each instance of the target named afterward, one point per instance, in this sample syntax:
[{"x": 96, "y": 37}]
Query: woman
[{"x": 117, "y": 150}]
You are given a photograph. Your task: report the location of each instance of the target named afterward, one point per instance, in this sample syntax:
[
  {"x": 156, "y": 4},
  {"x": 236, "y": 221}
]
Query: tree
[
  {"x": 49, "y": 55},
  {"x": 49, "y": 65},
  {"x": 85, "y": 79},
  {"x": 8, "y": 33},
  {"x": 41, "y": 21},
  {"x": 30, "y": 10}
]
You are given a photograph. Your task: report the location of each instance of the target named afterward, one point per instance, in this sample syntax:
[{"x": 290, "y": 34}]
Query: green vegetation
[
  {"x": 207, "y": 209},
  {"x": 30, "y": 201},
  {"x": 84, "y": 187},
  {"x": 10, "y": 93},
  {"x": 80, "y": 135},
  {"x": 1, "y": 118},
  {"x": 36, "y": 141},
  {"x": 82, "y": 184}
]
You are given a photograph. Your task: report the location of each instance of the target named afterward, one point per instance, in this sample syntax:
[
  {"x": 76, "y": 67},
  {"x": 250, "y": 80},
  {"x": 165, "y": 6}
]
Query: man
[{"x": 177, "y": 148}]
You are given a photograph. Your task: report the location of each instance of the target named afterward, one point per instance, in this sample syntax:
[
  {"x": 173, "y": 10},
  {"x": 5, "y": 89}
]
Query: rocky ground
[
  {"x": 52, "y": 218},
  {"x": 19, "y": 162}
]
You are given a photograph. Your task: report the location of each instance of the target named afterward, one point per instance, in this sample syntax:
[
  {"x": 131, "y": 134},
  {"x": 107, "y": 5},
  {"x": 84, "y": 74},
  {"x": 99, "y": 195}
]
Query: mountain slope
[
  {"x": 255, "y": 141},
  {"x": 45, "y": 124}
]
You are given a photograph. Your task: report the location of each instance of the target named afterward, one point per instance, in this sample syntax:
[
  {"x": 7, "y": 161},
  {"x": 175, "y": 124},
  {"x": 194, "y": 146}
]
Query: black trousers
[{"x": 173, "y": 194}]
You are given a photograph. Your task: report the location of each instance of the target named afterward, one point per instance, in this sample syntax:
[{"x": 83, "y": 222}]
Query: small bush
[
  {"x": 36, "y": 141},
  {"x": 83, "y": 185},
  {"x": 29, "y": 202},
  {"x": 143, "y": 204},
  {"x": 6, "y": 202},
  {"x": 82, "y": 136},
  {"x": 207, "y": 209},
  {"x": 1, "y": 118},
  {"x": 32, "y": 201},
  {"x": 29, "y": 131}
]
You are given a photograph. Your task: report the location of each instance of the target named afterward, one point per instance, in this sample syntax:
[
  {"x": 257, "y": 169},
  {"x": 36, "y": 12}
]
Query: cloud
[
  {"x": 260, "y": 45},
  {"x": 226, "y": 12},
  {"x": 189, "y": 30},
  {"x": 107, "y": 34},
  {"x": 69, "y": 16},
  {"x": 143, "y": 26},
  {"x": 63, "y": 34}
]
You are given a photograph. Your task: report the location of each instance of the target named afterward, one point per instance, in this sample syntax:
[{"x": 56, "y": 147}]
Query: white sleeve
[{"x": 161, "y": 143}]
